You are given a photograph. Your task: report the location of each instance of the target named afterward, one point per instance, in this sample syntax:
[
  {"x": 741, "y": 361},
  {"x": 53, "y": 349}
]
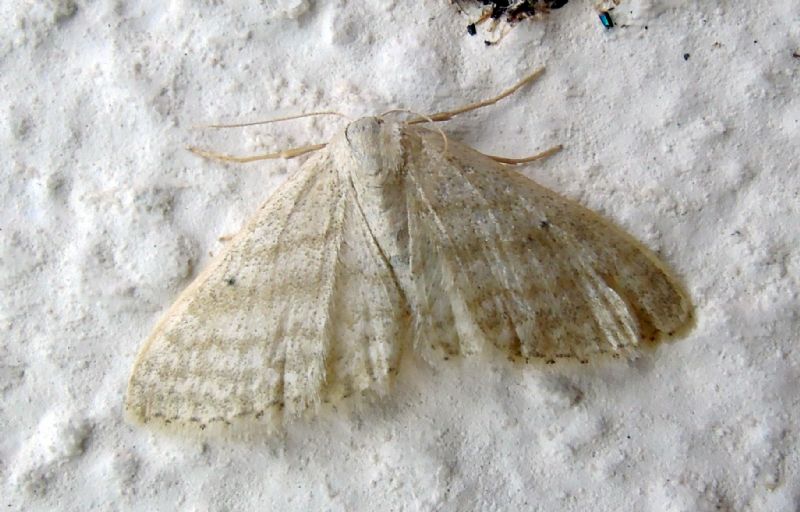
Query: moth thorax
[
  {"x": 375, "y": 147},
  {"x": 377, "y": 164},
  {"x": 377, "y": 174}
]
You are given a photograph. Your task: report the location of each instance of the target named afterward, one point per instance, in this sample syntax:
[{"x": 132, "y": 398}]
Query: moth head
[{"x": 374, "y": 144}]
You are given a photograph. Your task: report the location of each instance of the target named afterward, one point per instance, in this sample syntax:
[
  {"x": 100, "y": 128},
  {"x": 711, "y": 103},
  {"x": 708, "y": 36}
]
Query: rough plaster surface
[{"x": 681, "y": 124}]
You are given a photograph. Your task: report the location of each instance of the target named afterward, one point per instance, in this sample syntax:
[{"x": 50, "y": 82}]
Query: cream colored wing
[
  {"x": 505, "y": 260},
  {"x": 301, "y": 307}
]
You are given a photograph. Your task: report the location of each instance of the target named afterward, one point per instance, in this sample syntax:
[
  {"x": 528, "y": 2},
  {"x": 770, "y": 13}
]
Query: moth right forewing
[{"x": 539, "y": 274}]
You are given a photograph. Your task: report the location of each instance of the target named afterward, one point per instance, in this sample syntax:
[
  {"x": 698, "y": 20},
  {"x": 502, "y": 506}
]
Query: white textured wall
[{"x": 105, "y": 217}]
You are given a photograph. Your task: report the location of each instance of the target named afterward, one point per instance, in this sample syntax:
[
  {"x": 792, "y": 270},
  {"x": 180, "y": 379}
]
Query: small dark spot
[
  {"x": 796, "y": 54},
  {"x": 628, "y": 437},
  {"x": 446, "y": 358},
  {"x": 487, "y": 43},
  {"x": 645, "y": 27},
  {"x": 203, "y": 426},
  {"x": 686, "y": 56},
  {"x": 231, "y": 281},
  {"x": 544, "y": 224},
  {"x": 471, "y": 30},
  {"x": 605, "y": 19},
  {"x": 259, "y": 414}
]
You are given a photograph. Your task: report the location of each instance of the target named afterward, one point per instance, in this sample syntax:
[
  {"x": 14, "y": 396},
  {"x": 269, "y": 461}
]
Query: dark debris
[{"x": 513, "y": 11}]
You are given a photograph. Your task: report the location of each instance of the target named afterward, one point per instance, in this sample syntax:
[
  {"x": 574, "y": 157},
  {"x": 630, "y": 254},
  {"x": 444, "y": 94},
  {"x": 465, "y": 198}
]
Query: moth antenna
[
  {"x": 285, "y": 153},
  {"x": 449, "y": 114},
  {"x": 538, "y": 156},
  {"x": 275, "y": 120},
  {"x": 423, "y": 116}
]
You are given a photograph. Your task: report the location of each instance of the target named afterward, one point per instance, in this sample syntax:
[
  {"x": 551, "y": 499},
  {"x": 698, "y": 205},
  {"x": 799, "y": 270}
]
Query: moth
[{"x": 394, "y": 237}]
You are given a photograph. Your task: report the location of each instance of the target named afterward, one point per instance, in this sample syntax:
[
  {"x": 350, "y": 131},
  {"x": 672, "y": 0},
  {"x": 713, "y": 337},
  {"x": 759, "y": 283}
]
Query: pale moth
[{"x": 393, "y": 237}]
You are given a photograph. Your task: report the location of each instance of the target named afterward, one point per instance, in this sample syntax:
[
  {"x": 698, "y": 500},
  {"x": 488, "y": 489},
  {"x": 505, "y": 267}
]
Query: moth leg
[
  {"x": 449, "y": 114},
  {"x": 285, "y": 153},
  {"x": 538, "y": 156}
]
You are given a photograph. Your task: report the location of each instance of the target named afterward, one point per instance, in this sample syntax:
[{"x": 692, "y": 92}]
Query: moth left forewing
[
  {"x": 298, "y": 309},
  {"x": 524, "y": 268},
  {"x": 228, "y": 349}
]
